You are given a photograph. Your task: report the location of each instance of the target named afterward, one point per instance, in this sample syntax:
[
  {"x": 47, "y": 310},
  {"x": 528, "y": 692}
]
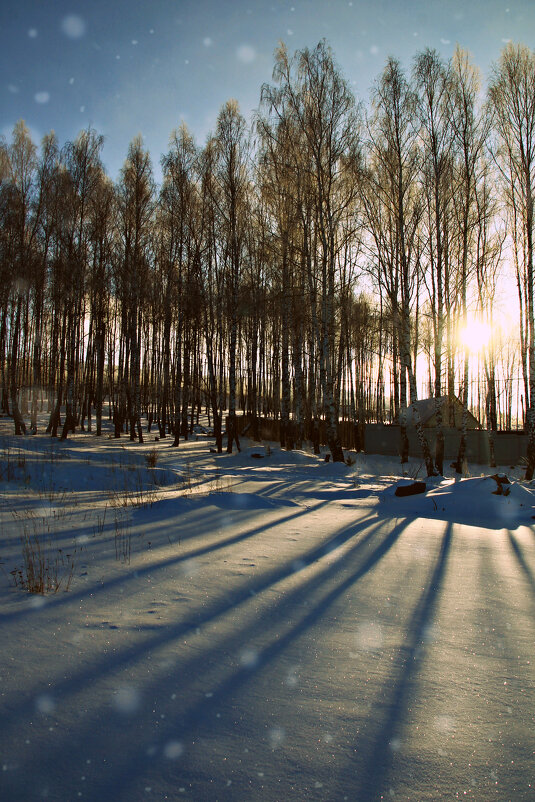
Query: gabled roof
[{"x": 427, "y": 408}]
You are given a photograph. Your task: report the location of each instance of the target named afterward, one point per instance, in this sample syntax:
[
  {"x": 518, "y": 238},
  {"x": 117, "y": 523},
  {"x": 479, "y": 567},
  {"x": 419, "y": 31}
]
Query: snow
[
  {"x": 246, "y": 54},
  {"x": 274, "y": 627},
  {"x": 73, "y": 26}
]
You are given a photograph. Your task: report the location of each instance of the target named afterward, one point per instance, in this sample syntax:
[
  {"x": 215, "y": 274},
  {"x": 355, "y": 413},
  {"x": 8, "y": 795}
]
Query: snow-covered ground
[{"x": 261, "y": 626}]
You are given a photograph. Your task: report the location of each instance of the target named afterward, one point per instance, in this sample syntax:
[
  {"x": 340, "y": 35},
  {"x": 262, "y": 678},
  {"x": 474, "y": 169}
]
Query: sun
[{"x": 475, "y": 335}]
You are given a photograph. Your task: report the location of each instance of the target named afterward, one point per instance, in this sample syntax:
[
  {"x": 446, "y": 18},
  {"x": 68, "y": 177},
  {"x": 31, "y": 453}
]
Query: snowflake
[
  {"x": 73, "y": 26},
  {"x": 127, "y": 700},
  {"x": 246, "y": 54},
  {"x": 173, "y": 750}
]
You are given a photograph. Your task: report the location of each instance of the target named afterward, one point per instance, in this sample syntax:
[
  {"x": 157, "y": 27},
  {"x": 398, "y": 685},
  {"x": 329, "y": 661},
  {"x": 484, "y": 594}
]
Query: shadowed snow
[{"x": 261, "y": 627}]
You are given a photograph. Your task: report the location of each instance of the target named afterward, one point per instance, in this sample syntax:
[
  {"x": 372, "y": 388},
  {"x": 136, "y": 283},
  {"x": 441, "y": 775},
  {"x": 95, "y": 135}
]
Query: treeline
[{"x": 297, "y": 267}]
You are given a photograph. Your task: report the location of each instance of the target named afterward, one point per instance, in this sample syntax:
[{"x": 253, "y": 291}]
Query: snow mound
[{"x": 470, "y": 501}]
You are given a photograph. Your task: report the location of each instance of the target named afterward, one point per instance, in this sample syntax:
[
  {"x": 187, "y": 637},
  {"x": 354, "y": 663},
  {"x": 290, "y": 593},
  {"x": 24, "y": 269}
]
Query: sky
[{"x": 126, "y": 67}]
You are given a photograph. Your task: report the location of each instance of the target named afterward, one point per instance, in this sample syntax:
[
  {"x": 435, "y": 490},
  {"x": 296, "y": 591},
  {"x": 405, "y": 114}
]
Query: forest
[{"x": 313, "y": 265}]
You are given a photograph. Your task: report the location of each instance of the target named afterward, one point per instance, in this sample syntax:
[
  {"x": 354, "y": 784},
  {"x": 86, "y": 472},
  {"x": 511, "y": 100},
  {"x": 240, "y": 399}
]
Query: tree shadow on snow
[
  {"x": 372, "y": 781},
  {"x": 124, "y": 745},
  {"x": 519, "y": 554}
]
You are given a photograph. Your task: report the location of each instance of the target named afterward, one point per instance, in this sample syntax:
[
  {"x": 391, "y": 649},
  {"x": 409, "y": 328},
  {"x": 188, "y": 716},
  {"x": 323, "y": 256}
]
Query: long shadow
[
  {"x": 377, "y": 766},
  {"x": 201, "y": 713},
  {"x": 208, "y": 615},
  {"x": 153, "y": 567},
  {"x": 522, "y": 561}
]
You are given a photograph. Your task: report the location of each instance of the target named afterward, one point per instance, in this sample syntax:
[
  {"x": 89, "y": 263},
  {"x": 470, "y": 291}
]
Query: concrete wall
[{"x": 509, "y": 447}]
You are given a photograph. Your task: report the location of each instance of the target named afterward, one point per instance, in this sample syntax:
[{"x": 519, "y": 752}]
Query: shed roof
[{"x": 427, "y": 408}]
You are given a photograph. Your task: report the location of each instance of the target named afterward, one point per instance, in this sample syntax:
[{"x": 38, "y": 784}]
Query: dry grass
[
  {"x": 123, "y": 538},
  {"x": 151, "y": 458},
  {"x": 45, "y": 567}
]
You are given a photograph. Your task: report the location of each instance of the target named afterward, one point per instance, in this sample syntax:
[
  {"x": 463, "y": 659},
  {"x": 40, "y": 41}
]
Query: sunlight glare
[{"x": 475, "y": 335}]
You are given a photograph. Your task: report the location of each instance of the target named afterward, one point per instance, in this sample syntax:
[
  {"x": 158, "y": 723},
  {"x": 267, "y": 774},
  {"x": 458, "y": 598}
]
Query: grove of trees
[{"x": 312, "y": 266}]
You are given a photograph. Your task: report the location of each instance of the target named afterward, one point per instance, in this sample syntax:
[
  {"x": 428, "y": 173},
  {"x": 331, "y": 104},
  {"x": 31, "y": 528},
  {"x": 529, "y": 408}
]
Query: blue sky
[{"x": 129, "y": 67}]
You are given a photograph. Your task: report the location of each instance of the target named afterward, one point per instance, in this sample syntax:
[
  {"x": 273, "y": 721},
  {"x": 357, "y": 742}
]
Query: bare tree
[
  {"x": 394, "y": 213},
  {"x": 317, "y": 103},
  {"x": 211, "y": 285},
  {"x": 102, "y": 231},
  {"x": 177, "y": 221},
  {"x": 136, "y": 203},
  {"x": 431, "y": 78},
  {"x": 470, "y": 136},
  {"x": 232, "y": 177},
  {"x": 512, "y": 96},
  {"x": 21, "y": 165}
]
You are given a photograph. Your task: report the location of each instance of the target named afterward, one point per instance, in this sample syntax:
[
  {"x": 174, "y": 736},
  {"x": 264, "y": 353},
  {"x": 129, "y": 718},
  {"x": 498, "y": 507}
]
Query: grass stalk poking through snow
[{"x": 45, "y": 568}]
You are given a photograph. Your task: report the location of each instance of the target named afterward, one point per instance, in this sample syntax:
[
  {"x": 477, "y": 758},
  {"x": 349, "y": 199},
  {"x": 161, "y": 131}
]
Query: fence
[{"x": 379, "y": 438}]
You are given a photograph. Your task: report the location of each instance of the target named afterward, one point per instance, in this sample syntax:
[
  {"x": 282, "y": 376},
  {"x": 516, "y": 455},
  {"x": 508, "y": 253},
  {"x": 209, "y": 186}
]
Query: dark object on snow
[
  {"x": 501, "y": 479},
  {"x": 411, "y": 490},
  {"x": 327, "y": 457},
  {"x": 257, "y": 456}
]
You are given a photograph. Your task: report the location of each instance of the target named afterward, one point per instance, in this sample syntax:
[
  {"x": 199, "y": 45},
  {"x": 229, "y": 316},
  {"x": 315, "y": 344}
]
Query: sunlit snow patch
[
  {"x": 189, "y": 568},
  {"x": 471, "y": 501},
  {"x": 369, "y": 636},
  {"x": 444, "y": 724}
]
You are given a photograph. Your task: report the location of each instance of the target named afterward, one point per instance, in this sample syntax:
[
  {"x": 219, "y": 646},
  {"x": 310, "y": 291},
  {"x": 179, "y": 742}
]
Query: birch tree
[
  {"x": 512, "y": 97},
  {"x": 431, "y": 80},
  {"x": 21, "y": 165},
  {"x": 470, "y": 136},
  {"x": 232, "y": 177},
  {"x": 314, "y": 97},
  {"x": 136, "y": 203},
  {"x": 394, "y": 212}
]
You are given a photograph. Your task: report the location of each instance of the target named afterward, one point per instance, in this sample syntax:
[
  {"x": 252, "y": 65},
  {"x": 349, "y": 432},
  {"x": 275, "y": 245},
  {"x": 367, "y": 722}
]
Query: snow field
[{"x": 275, "y": 628}]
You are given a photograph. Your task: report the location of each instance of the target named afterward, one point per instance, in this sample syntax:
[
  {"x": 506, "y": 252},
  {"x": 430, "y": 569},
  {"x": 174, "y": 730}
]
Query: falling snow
[
  {"x": 73, "y": 26},
  {"x": 246, "y": 54},
  {"x": 282, "y": 627}
]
